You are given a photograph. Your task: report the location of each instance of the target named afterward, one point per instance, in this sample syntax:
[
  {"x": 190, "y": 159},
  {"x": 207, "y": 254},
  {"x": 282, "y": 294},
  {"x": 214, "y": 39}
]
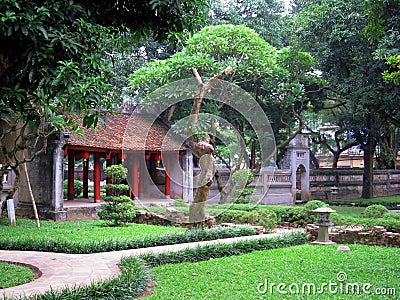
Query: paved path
[{"x": 60, "y": 270}]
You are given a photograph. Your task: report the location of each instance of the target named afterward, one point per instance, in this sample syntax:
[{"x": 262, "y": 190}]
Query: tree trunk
[
  {"x": 369, "y": 150},
  {"x": 368, "y": 175}
]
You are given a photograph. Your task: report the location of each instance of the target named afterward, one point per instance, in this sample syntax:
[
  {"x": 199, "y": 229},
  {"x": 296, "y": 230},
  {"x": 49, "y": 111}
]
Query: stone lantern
[{"x": 323, "y": 223}]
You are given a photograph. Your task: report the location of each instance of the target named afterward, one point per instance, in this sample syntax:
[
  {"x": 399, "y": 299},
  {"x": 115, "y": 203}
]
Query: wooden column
[
  {"x": 167, "y": 177},
  {"x": 96, "y": 178},
  {"x": 141, "y": 176},
  {"x": 135, "y": 179},
  {"x": 85, "y": 182},
  {"x": 71, "y": 170}
]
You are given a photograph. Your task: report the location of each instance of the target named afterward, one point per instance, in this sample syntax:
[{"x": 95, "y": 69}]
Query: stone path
[{"x": 60, "y": 270}]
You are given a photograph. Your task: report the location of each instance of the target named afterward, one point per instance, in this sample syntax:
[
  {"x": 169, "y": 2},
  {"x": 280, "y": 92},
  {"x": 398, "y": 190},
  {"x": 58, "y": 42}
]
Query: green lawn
[
  {"x": 79, "y": 231},
  {"x": 12, "y": 275},
  {"x": 349, "y": 210},
  {"x": 257, "y": 275}
]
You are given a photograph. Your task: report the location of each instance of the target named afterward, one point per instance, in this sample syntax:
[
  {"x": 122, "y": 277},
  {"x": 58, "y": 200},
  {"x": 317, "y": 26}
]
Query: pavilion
[{"x": 123, "y": 139}]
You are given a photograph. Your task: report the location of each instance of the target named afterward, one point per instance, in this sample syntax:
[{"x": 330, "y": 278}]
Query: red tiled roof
[{"x": 130, "y": 132}]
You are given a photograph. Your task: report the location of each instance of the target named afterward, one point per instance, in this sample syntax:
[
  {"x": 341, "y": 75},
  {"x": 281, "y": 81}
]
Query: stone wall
[
  {"x": 378, "y": 236},
  {"x": 349, "y": 182}
]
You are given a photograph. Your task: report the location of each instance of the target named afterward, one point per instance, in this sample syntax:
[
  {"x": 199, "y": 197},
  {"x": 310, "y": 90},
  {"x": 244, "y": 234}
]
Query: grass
[
  {"x": 91, "y": 237},
  {"x": 350, "y": 211},
  {"x": 251, "y": 276},
  {"x": 13, "y": 274},
  {"x": 80, "y": 231}
]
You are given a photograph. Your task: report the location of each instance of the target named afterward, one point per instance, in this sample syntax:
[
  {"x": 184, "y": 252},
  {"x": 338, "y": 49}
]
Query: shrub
[
  {"x": 392, "y": 215},
  {"x": 243, "y": 192},
  {"x": 119, "y": 208},
  {"x": 291, "y": 214},
  {"x": 78, "y": 188},
  {"x": 71, "y": 246},
  {"x": 375, "y": 211},
  {"x": 222, "y": 250},
  {"x": 244, "y": 200},
  {"x": 314, "y": 204},
  {"x": 264, "y": 218},
  {"x": 180, "y": 203},
  {"x": 242, "y": 177},
  {"x": 131, "y": 282}
]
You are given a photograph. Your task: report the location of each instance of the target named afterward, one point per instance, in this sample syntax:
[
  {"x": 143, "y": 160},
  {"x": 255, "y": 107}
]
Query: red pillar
[
  {"x": 96, "y": 178},
  {"x": 167, "y": 177},
  {"x": 71, "y": 170},
  {"x": 141, "y": 176},
  {"x": 135, "y": 181},
  {"x": 85, "y": 186}
]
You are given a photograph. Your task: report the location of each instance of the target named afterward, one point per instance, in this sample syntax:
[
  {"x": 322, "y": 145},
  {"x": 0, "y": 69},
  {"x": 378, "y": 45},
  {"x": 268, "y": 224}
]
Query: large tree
[
  {"x": 276, "y": 79},
  {"x": 56, "y": 59},
  {"x": 334, "y": 32}
]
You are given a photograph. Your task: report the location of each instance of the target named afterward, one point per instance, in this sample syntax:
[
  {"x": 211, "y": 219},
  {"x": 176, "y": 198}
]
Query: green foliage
[
  {"x": 375, "y": 211},
  {"x": 246, "y": 200},
  {"x": 392, "y": 215},
  {"x": 119, "y": 208},
  {"x": 390, "y": 202},
  {"x": 78, "y": 188},
  {"x": 393, "y": 75},
  {"x": 130, "y": 283},
  {"x": 180, "y": 203},
  {"x": 234, "y": 277},
  {"x": 242, "y": 177},
  {"x": 264, "y": 218},
  {"x": 224, "y": 250},
  {"x": 314, "y": 204},
  {"x": 91, "y": 237},
  {"x": 14, "y": 274},
  {"x": 390, "y": 224},
  {"x": 243, "y": 192}
]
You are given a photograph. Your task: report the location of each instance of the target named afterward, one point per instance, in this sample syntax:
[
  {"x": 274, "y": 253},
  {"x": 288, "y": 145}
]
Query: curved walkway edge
[{"x": 60, "y": 270}]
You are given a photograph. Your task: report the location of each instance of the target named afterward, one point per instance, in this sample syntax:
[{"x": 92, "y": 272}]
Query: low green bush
[
  {"x": 129, "y": 284},
  {"x": 391, "y": 215},
  {"x": 180, "y": 203},
  {"x": 78, "y": 188},
  {"x": 264, "y": 218},
  {"x": 375, "y": 211},
  {"x": 392, "y": 225},
  {"x": 70, "y": 246},
  {"x": 246, "y": 200},
  {"x": 222, "y": 250},
  {"x": 390, "y": 202},
  {"x": 291, "y": 214}
]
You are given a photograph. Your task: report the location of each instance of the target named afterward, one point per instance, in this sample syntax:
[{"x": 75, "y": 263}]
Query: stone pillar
[
  {"x": 58, "y": 176},
  {"x": 46, "y": 177},
  {"x": 188, "y": 180}
]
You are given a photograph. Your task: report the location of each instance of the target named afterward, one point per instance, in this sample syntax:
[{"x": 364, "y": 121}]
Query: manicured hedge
[
  {"x": 128, "y": 285},
  {"x": 390, "y": 224},
  {"x": 63, "y": 246},
  {"x": 389, "y": 202},
  {"x": 293, "y": 238}
]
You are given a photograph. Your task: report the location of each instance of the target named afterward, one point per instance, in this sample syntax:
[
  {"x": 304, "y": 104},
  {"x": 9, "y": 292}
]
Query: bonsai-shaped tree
[
  {"x": 119, "y": 208},
  {"x": 243, "y": 178}
]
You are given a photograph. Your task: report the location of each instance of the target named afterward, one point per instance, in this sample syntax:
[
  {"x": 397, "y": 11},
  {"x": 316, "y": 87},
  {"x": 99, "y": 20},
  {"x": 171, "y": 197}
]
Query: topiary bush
[
  {"x": 78, "y": 188},
  {"x": 242, "y": 177},
  {"x": 119, "y": 208},
  {"x": 310, "y": 217},
  {"x": 392, "y": 215},
  {"x": 375, "y": 211},
  {"x": 264, "y": 218}
]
